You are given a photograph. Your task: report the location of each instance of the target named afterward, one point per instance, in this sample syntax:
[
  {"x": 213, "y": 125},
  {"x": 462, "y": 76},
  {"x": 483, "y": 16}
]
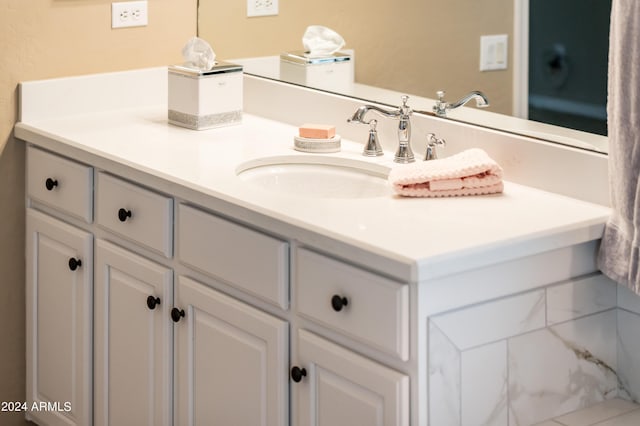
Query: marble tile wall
[
  {"x": 629, "y": 343},
  {"x": 523, "y": 359}
]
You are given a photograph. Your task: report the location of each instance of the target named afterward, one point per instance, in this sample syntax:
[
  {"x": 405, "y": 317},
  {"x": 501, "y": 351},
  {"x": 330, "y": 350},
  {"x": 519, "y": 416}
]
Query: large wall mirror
[{"x": 554, "y": 87}]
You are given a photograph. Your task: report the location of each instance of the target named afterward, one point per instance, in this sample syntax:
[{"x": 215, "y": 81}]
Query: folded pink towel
[{"x": 471, "y": 172}]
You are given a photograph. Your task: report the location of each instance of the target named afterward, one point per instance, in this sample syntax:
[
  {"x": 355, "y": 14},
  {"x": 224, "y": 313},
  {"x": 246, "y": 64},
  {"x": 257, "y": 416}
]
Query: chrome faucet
[
  {"x": 403, "y": 114},
  {"x": 441, "y": 107}
]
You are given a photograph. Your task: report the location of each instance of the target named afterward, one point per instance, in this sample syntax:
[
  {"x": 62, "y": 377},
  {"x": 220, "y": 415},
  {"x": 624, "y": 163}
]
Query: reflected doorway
[{"x": 567, "y": 63}]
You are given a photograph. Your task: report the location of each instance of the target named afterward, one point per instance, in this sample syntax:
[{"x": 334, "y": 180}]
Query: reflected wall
[{"x": 415, "y": 46}]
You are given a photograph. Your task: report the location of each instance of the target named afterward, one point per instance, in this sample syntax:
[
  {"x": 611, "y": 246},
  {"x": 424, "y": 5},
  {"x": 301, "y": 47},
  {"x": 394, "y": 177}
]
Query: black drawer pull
[
  {"x": 152, "y": 302},
  {"x": 50, "y": 184},
  {"x": 176, "y": 314},
  {"x": 298, "y": 373},
  {"x": 74, "y": 263},
  {"x": 339, "y": 302},
  {"x": 123, "y": 214}
]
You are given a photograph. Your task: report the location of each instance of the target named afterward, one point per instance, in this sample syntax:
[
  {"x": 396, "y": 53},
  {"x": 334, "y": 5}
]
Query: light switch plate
[{"x": 493, "y": 52}]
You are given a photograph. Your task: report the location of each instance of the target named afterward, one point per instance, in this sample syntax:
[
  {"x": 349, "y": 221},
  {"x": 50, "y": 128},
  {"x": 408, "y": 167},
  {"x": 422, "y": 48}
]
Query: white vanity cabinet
[
  {"x": 362, "y": 305},
  {"x": 159, "y": 352},
  {"x": 334, "y": 385},
  {"x": 133, "y": 297},
  {"x": 104, "y": 343},
  {"x": 59, "y": 317},
  {"x": 59, "y": 290},
  {"x": 299, "y": 309},
  {"x": 137, "y": 214},
  {"x": 133, "y": 339},
  {"x": 248, "y": 350},
  {"x": 337, "y": 387},
  {"x": 231, "y": 358},
  {"x": 231, "y": 361},
  {"x": 250, "y": 260},
  {"x": 60, "y": 183},
  {"x": 170, "y": 311}
]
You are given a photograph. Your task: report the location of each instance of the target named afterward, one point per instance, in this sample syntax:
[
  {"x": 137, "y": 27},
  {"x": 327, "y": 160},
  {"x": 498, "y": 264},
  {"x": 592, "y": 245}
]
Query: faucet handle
[
  {"x": 440, "y": 108},
  {"x": 404, "y": 105},
  {"x": 432, "y": 146},
  {"x": 404, "y": 110},
  {"x": 372, "y": 148}
]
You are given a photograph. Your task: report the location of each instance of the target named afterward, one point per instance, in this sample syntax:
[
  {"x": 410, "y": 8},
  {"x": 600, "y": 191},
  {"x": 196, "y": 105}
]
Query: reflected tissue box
[
  {"x": 332, "y": 72},
  {"x": 204, "y": 99}
]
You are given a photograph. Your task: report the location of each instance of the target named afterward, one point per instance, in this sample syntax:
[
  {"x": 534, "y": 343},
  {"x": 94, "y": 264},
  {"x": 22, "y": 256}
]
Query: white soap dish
[{"x": 316, "y": 145}]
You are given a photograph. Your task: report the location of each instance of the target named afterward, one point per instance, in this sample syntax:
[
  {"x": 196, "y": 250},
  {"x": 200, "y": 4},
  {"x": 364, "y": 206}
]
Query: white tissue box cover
[
  {"x": 206, "y": 101},
  {"x": 333, "y": 76}
]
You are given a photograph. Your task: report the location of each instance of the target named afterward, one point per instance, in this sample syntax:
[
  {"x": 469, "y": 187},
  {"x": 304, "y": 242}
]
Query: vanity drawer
[
  {"x": 247, "y": 259},
  {"x": 60, "y": 183},
  {"x": 135, "y": 213},
  {"x": 376, "y": 311}
]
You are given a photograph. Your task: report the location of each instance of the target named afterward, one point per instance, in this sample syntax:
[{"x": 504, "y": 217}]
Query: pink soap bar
[{"x": 317, "y": 131}]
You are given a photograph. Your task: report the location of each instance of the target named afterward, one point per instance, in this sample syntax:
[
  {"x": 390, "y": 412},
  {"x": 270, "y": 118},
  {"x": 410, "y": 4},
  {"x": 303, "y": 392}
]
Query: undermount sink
[{"x": 317, "y": 176}]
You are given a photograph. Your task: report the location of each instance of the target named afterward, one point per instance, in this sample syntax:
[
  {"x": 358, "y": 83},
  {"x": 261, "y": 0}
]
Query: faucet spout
[
  {"x": 403, "y": 115},
  {"x": 441, "y": 107},
  {"x": 481, "y": 100},
  {"x": 358, "y": 116}
]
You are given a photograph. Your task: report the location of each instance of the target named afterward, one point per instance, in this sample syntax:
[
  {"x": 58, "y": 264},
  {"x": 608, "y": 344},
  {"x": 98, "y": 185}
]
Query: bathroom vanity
[{"x": 162, "y": 288}]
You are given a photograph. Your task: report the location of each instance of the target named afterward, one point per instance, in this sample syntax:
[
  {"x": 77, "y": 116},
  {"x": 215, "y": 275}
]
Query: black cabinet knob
[
  {"x": 50, "y": 184},
  {"x": 338, "y": 302},
  {"x": 298, "y": 373},
  {"x": 74, "y": 263},
  {"x": 123, "y": 214},
  {"x": 176, "y": 314},
  {"x": 152, "y": 302}
]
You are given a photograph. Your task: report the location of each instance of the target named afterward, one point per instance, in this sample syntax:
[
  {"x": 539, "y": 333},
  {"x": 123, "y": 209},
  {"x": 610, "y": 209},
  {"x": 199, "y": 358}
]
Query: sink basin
[{"x": 317, "y": 176}]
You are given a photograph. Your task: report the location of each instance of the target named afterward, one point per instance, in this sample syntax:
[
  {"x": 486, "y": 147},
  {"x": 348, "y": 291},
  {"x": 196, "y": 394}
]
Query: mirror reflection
[
  {"x": 555, "y": 56},
  {"x": 568, "y": 53}
]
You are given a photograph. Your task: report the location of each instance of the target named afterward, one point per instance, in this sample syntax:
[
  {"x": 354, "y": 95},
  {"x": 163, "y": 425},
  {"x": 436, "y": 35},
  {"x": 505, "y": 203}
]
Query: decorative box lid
[
  {"x": 302, "y": 57},
  {"x": 220, "y": 67}
]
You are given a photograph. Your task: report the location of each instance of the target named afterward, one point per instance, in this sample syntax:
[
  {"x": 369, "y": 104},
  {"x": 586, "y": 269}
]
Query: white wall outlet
[
  {"x": 262, "y": 8},
  {"x": 493, "y": 52},
  {"x": 129, "y": 14}
]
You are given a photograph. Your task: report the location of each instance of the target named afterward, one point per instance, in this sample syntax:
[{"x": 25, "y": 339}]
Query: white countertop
[{"x": 434, "y": 237}]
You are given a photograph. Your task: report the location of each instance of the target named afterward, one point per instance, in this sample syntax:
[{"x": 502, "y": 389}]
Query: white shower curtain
[{"x": 619, "y": 256}]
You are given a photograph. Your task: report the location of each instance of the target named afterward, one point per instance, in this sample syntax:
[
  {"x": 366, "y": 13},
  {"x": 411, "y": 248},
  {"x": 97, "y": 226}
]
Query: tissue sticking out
[
  {"x": 197, "y": 53},
  {"x": 321, "y": 41}
]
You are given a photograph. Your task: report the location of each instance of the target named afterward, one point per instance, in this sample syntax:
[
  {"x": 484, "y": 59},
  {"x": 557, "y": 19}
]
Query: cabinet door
[
  {"x": 231, "y": 361},
  {"x": 340, "y": 388},
  {"x": 133, "y": 339},
  {"x": 59, "y": 317}
]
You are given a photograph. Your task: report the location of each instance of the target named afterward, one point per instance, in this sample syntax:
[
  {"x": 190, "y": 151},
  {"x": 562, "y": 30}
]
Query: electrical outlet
[
  {"x": 262, "y": 8},
  {"x": 129, "y": 14}
]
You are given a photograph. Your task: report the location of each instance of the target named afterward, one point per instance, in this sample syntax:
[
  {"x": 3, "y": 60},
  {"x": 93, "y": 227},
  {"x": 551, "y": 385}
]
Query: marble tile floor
[{"x": 614, "y": 412}]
